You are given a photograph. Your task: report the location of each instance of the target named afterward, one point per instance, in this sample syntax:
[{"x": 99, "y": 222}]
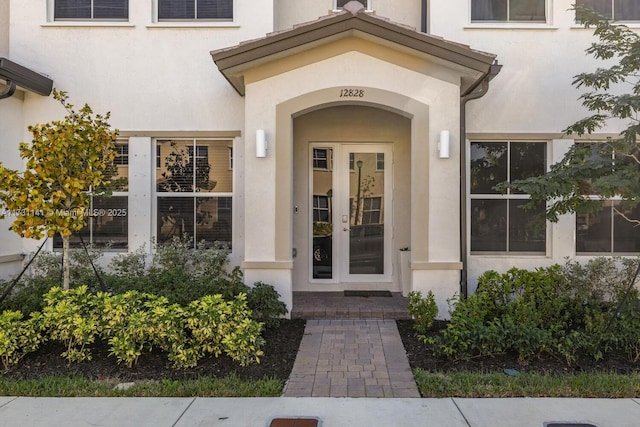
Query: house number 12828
[{"x": 351, "y": 93}]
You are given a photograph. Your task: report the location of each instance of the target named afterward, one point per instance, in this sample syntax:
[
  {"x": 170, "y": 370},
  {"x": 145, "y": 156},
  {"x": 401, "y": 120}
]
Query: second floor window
[
  {"x": 508, "y": 11},
  {"x": 618, "y": 10},
  {"x": 91, "y": 9},
  {"x": 340, "y": 3},
  {"x": 208, "y": 10}
]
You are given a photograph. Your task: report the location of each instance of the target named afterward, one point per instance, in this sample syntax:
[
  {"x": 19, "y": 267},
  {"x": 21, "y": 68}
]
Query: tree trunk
[{"x": 65, "y": 262}]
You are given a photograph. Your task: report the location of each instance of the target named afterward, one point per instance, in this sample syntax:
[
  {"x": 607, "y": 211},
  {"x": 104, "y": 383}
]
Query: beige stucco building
[{"x": 320, "y": 138}]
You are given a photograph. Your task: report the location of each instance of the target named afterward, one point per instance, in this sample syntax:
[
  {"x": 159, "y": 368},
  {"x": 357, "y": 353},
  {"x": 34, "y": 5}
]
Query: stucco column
[
  {"x": 140, "y": 215},
  {"x": 267, "y": 198}
]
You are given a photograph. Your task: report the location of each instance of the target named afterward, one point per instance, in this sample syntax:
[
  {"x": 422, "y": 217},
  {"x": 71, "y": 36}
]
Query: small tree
[
  {"x": 611, "y": 168},
  {"x": 66, "y": 162}
]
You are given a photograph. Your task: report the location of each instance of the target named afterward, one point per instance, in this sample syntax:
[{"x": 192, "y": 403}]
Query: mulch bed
[
  {"x": 280, "y": 351},
  {"x": 421, "y": 356}
]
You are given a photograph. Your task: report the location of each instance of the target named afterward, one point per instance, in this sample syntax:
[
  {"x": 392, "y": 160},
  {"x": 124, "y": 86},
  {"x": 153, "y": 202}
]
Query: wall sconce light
[
  {"x": 443, "y": 144},
  {"x": 261, "y": 143}
]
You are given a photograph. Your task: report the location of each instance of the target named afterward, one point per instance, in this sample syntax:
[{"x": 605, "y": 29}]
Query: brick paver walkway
[
  {"x": 351, "y": 358},
  {"x": 334, "y": 305}
]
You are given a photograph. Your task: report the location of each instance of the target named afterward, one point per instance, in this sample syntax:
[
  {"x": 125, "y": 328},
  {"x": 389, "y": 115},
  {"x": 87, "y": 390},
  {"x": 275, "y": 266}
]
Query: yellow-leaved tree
[{"x": 66, "y": 162}]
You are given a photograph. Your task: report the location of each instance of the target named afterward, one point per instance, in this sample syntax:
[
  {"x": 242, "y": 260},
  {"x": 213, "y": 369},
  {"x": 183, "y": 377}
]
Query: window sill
[
  {"x": 193, "y": 24},
  {"x": 520, "y": 255},
  {"x": 87, "y": 24},
  {"x": 340, "y": 10},
  {"x": 509, "y": 26},
  {"x": 591, "y": 28},
  {"x": 606, "y": 254},
  {"x": 103, "y": 250}
]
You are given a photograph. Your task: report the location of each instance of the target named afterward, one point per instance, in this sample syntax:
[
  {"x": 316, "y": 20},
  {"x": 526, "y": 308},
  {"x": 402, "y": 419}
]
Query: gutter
[
  {"x": 17, "y": 75},
  {"x": 477, "y": 91}
]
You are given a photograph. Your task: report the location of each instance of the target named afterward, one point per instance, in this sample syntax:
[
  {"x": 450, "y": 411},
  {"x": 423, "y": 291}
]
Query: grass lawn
[{"x": 531, "y": 384}]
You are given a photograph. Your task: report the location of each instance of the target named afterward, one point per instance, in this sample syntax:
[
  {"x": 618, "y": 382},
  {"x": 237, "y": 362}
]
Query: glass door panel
[
  {"x": 350, "y": 212},
  {"x": 365, "y": 213},
  {"x": 322, "y": 208},
  {"x": 366, "y": 224}
]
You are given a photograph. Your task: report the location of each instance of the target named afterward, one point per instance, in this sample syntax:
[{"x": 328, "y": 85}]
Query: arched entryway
[
  {"x": 351, "y": 170},
  {"x": 340, "y": 84}
]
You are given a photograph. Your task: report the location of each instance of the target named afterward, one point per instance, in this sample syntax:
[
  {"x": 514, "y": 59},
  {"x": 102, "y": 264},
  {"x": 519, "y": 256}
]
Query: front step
[{"x": 335, "y": 305}]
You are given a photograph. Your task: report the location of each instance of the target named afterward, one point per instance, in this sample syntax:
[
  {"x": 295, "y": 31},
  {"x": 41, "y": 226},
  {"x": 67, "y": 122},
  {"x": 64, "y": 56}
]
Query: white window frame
[
  {"x": 183, "y": 21},
  {"x": 192, "y": 194},
  {"x": 96, "y": 212},
  {"x": 327, "y": 158},
  {"x": 613, "y": 14},
  {"x": 546, "y": 24},
  {"x": 515, "y": 197},
  {"x": 113, "y": 21},
  {"x": 595, "y": 197},
  {"x": 318, "y": 208},
  {"x": 372, "y": 208},
  {"x": 122, "y": 159},
  {"x": 158, "y": 157},
  {"x": 367, "y": 5},
  {"x": 380, "y": 159}
]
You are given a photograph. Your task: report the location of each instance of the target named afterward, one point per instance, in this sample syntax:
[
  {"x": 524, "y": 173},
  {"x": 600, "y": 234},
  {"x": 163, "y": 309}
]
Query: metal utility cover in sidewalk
[{"x": 294, "y": 422}]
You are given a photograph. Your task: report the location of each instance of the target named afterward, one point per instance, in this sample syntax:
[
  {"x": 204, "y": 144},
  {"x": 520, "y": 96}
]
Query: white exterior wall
[
  {"x": 151, "y": 77},
  {"x": 4, "y": 28},
  {"x": 532, "y": 95},
  {"x": 160, "y": 77},
  {"x": 355, "y": 69},
  {"x": 533, "y": 92},
  {"x": 11, "y": 118},
  {"x": 291, "y": 12}
]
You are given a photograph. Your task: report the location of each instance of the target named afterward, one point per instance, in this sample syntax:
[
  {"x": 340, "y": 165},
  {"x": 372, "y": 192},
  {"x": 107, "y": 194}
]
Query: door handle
[{"x": 346, "y": 229}]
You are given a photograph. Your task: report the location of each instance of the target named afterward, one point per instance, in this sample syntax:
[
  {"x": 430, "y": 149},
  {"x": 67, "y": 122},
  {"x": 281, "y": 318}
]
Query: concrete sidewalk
[{"x": 329, "y": 412}]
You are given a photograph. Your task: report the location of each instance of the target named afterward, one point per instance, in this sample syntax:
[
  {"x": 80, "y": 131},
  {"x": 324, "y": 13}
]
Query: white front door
[{"x": 351, "y": 224}]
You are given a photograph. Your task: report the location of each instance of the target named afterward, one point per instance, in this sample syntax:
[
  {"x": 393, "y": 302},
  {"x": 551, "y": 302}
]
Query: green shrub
[
  {"x": 424, "y": 311},
  {"x": 621, "y": 334},
  {"x": 601, "y": 279},
  {"x": 519, "y": 310},
  {"x": 28, "y": 297},
  {"x": 68, "y": 317},
  {"x": 560, "y": 310},
  {"x": 264, "y": 302},
  {"x": 82, "y": 271},
  {"x": 215, "y": 326},
  {"x": 46, "y": 273},
  {"x": 177, "y": 271},
  {"x": 130, "y": 264},
  {"x": 178, "y": 256},
  {"x": 134, "y": 322},
  {"x": 18, "y": 336}
]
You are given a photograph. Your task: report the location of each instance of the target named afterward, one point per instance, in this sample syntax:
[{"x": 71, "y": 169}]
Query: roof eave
[{"x": 233, "y": 61}]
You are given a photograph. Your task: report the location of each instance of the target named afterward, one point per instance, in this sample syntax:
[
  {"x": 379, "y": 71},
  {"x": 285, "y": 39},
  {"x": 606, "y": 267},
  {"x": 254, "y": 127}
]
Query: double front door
[{"x": 351, "y": 205}]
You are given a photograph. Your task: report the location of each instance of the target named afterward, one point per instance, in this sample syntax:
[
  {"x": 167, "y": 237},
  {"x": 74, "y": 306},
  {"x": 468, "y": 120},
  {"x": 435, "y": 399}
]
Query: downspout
[
  {"x": 9, "y": 90},
  {"x": 478, "y": 91},
  {"x": 423, "y": 16}
]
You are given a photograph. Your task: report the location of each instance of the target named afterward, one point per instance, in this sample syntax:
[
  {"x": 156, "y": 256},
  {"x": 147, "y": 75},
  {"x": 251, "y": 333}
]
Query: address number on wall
[{"x": 351, "y": 93}]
